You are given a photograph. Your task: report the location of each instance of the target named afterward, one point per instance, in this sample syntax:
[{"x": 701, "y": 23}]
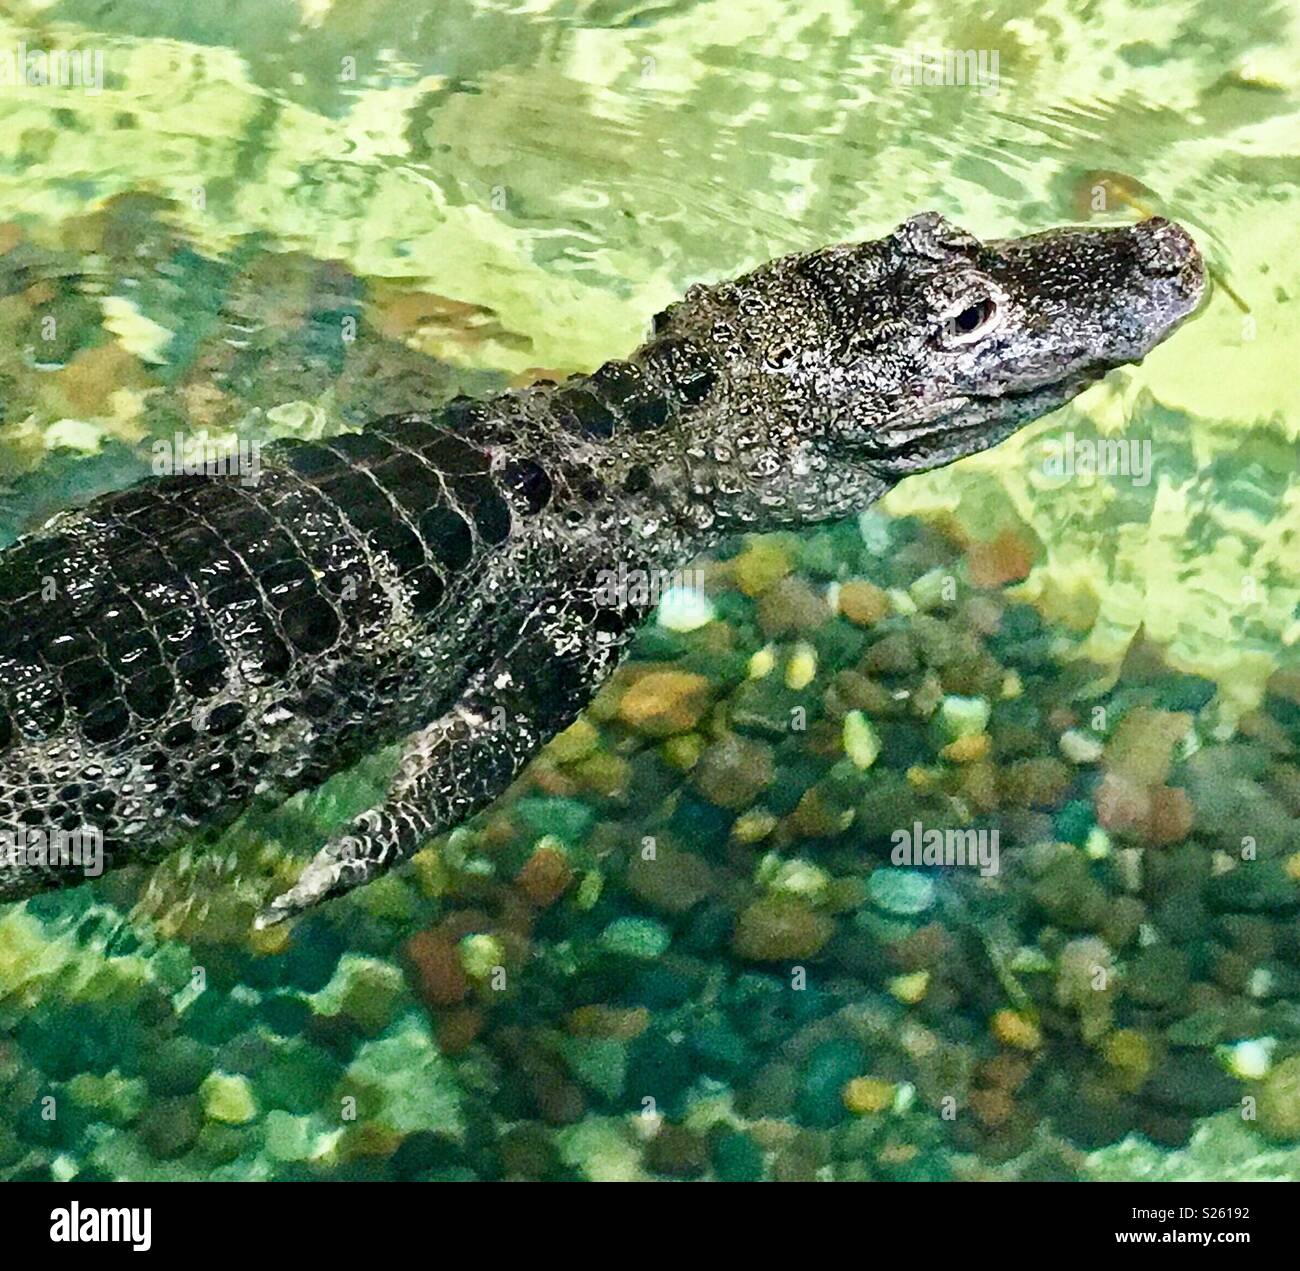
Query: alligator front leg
[
  {"x": 448, "y": 771},
  {"x": 464, "y": 760}
]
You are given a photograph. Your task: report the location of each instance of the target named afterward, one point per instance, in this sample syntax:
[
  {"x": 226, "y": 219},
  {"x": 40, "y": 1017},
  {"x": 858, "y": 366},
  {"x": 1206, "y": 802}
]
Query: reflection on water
[{"x": 243, "y": 235}]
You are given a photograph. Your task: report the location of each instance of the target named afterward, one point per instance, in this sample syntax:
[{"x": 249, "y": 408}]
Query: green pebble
[
  {"x": 1260, "y": 886},
  {"x": 963, "y": 716},
  {"x": 228, "y": 1099},
  {"x": 288, "y": 1137},
  {"x": 116, "y": 1099},
  {"x": 736, "y": 1158},
  {"x": 565, "y": 818},
  {"x": 600, "y": 1063},
  {"x": 1074, "y": 822},
  {"x": 925, "y": 1168},
  {"x": 1184, "y": 692},
  {"x": 839, "y": 644},
  {"x": 767, "y": 708},
  {"x": 170, "y": 1127},
  {"x": 720, "y": 1050},
  {"x": 221, "y": 1144},
  {"x": 298, "y": 1079},
  {"x": 636, "y": 938},
  {"x": 58, "y": 1125},
  {"x": 176, "y": 1066},
  {"x": 286, "y": 1013},
  {"x": 1203, "y": 1028},
  {"x": 819, "y": 1102},
  {"x": 903, "y": 892},
  {"x": 1157, "y": 976},
  {"x": 366, "y": 991},
  {"x": 216, "y": 1017}
]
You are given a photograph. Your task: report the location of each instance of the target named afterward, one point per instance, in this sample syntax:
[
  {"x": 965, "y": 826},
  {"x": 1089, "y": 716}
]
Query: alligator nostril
[{"x": 1165, "y": 249}]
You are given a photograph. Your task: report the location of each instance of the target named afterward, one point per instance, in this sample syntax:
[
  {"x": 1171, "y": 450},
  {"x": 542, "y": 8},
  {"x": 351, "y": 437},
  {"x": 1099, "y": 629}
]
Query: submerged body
[{"x": 174, "y": 651}]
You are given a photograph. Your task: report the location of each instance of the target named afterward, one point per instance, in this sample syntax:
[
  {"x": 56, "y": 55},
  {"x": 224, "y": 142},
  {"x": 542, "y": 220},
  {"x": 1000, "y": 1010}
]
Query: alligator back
[{"x": 171, "y": 650}]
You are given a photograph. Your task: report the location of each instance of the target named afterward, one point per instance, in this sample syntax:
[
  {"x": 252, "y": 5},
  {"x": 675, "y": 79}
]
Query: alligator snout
[{"x": 1166, "y": 250}]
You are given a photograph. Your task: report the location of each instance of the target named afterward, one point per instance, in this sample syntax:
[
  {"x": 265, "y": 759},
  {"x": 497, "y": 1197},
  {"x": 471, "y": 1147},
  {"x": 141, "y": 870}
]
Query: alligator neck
[{"x": 657, "y": 439}]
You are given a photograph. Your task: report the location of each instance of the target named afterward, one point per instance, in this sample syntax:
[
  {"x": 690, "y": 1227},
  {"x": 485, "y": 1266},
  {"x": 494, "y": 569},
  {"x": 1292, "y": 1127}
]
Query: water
[{"x": 487, "y": 192}]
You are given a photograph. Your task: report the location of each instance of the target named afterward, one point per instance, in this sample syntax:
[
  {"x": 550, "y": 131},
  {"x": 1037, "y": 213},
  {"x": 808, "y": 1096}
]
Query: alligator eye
[
  {"x": 970, "y": 320},
  {"x": 969, "y": 324}
]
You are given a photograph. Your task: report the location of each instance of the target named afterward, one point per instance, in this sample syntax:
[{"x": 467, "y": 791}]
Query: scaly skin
[{"x": 174, "y": 651}]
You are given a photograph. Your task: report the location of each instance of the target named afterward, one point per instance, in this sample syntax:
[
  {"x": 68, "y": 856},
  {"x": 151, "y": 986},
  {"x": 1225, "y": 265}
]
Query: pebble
[
  {"x": 791, "y": 607},
  {"x": 801, "y": 669},
  {"x": 910, "y": 988},
  {"x": 665, "y": 702},
  {"x": 176, "y": 1066},
  {"x": 1141, "y": 748},
  {"x": 685, "y": 609},
  {"x": 800, "y": 878},
  {"x": 998, "y": 561},
  {"x": 677, "y": 1152},
  {"x": 734, "y": 771},
  {"x": 1193, "y": 1082},
  {"x": 963, "y": 716},
  {"x": 684, "y": 750},
  {"x": 904, "y": 892},
  {"x": 367, "y": 992},
  {"x": 736, "y": 1158},
  {"x": 866, "y": 1095},
  {"x": 228, "y": 1099},
  {"x": 863, "y": 603},
  {"x": 831, "y": 1066},
  {"x": 1251, "y": 1059},
  {"x": 546, "y": 875},
  {"x": 779, "y": 928},
  {"x": 288, "y": 1137},
  {"x": 170, "y": 1127},
  {"x": 762, "y": 663},
  {"x": 440, "y": 978},
  {"x": 671, "y": 881},
  {"x": 861, "y": 741},
  {"x": 481, "y": 954},
  {"x": 892, "y": 654},
  {"x": 764, "y": 562},
  {"x": 1081, "y": 747},
  {"x": 1013, "y": 1029},
  {"x": 968, "y": 749},
  {"x": 642, "y": 938},
  {"x": 753, "y": 826},
  {"x": 1035, "y": 783},
  {"x": 1171, "y": 816},
  {"x": 580, "y": 739},
  {"x": 1131, "y": 1054},
  {"x": 1278, "y": 1101}
]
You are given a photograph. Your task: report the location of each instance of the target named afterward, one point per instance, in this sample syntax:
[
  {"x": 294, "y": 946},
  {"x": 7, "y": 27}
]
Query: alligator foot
[{"x": 448, "y": 770}]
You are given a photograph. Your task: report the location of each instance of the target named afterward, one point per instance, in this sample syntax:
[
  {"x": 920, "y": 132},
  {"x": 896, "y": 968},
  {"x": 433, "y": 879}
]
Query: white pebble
[
  {"x": 1080, "y": 747},
  {"x": 685, "y": 609}
]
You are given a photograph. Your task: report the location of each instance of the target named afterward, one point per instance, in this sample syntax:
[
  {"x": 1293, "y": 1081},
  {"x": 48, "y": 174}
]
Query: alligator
[{"x": 179, "y": 650}]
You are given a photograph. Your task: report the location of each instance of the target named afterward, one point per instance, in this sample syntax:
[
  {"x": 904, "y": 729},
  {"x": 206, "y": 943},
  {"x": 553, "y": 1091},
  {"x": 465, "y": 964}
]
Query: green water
[{"x": 263, "y": 219}]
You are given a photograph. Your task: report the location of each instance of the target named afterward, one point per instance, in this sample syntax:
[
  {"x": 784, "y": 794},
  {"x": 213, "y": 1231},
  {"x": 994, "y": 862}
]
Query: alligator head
[
  {"x": 851, "y": 367},
  {"x": 1002, "y": 332}
]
